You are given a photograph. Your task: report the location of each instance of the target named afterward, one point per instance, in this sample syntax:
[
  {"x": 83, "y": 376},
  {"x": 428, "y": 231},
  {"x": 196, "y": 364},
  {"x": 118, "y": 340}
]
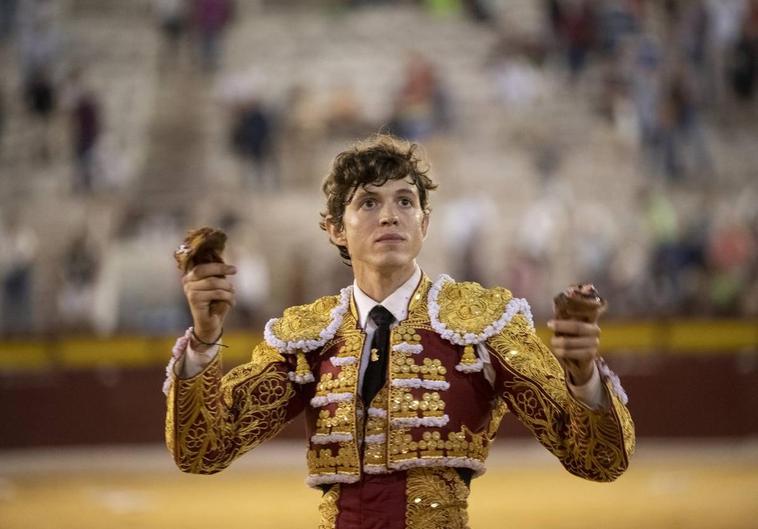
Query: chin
[{"x": 393, "y": 260}]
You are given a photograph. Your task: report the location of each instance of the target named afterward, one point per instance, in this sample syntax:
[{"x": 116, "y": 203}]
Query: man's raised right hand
[{"x": 210, "y": 296}]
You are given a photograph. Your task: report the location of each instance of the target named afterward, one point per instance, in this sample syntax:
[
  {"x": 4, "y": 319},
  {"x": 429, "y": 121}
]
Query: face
[{"x": 383, "y": 226}]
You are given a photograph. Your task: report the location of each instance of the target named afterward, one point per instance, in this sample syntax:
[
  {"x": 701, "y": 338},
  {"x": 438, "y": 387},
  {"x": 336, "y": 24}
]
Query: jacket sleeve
[
  {"x": 212, "y": 419},
  {"x": 594, "y": 444}
]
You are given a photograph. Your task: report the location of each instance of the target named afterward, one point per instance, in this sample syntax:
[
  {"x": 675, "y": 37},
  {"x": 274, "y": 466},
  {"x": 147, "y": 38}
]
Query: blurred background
[{"x": 574, "y": 140}]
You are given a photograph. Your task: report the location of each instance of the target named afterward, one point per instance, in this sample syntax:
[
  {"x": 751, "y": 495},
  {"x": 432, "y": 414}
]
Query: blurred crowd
[
  {"x": 672, "y": 75},
  {"x": 669, "y": 76}
]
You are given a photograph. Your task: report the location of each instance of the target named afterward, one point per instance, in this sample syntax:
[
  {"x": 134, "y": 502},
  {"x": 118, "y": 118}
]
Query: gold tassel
[
  {"x": 302, "y": 369},
  {"x": 468, "y": 357}
]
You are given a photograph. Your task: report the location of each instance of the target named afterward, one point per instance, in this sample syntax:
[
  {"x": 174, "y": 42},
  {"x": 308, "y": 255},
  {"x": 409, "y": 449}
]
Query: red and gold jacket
[{"x": 436, "y": 410}]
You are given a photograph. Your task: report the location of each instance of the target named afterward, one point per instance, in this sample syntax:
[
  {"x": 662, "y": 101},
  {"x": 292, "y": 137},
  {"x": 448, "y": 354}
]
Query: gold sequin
[{"x": 437, "y": 499}]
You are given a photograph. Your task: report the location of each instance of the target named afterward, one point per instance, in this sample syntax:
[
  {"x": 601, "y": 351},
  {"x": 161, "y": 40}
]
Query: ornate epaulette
[
  {"x": 306, "y": 328},
  {"x": 468, "y": 314}
]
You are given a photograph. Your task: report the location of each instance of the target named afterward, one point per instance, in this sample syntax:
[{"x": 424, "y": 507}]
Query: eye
[
  {"x": 406, "y": 202},
  {"x": 368, "y": 203}
]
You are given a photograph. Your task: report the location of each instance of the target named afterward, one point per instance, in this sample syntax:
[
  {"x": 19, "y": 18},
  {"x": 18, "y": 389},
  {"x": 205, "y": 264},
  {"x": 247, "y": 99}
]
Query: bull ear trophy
[{"x": 203, "y": 245}]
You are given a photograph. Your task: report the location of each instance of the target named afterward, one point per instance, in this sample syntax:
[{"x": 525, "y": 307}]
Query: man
[{"x": 403, "y": 380}]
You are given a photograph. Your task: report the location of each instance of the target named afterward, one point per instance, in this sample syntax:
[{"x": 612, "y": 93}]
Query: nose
[
  {"x": 389, "y": 215},
  {"x": 389, "y": 218}
]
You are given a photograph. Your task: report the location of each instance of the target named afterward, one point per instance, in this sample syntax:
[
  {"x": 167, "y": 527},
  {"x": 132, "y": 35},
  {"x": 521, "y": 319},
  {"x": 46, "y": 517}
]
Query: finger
[
  {"x": 581, "y": 355},
  {"x": 204, "y": 270},
  {"x": 573, "y": 327},
  {"x": 574, "y": 342},
  {"x": 211, "y": 283},
  {"x": 207, "y": 296}
]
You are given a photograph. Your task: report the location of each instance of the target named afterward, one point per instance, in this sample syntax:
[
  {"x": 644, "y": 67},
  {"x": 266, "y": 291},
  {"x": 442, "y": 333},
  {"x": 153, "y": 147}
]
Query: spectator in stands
[
  {"x": 40, "y": 98},
  {"x": 617, "y": 22},
  {"x": 443, "y": 8},
  {"x": 211, "y": 18},
  {"x": 478, "y": 11},
  {"x": 725, "y": 17},
  {"x": 19, "y": 243},
  {"x": 731, "y": 252},
  {"x": 744, "y": 60},
  {"x": 579, "y": 33},
  {"x": 86, "y": 126},
  {"x": 7, "y": 18},
  {"x": 172, "y": 20},
  {"x": 252, "y": 139},
  {"x": 683, "y": 148},
  {"x": 553, "y": 13},
  {"x": 40, "y": 43},
  {"x": 421, "y": 106},
  {"x": 79, "y": 274},
  {"x": 662, "y": 221}
]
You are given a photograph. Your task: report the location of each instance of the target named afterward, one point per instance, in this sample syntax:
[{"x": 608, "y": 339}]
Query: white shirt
[{"x": 397, "y": 303}]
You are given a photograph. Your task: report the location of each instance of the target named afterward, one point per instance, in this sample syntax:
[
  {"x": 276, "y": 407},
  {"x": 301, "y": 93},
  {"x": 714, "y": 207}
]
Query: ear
[
  {"x": 336, "y": 235},
  {"x": 425, "y": 224}
]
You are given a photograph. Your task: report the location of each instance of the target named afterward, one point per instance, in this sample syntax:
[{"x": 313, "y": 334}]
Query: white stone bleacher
[
  {"x": 489, "y": 151},
  {"x": 116, "y": 49}
]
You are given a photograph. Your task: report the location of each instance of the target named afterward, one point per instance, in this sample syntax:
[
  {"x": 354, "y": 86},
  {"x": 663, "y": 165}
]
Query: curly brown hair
[{"x": 373, "y": 161}]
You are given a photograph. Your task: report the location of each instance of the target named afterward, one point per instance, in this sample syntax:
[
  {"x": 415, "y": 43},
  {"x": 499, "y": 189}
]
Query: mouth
[{"x": 390, "y": 237}]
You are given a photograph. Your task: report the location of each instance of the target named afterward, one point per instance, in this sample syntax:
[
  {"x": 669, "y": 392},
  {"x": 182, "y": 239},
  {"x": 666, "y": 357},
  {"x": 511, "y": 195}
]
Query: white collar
[{"x": 396, "y": 303}]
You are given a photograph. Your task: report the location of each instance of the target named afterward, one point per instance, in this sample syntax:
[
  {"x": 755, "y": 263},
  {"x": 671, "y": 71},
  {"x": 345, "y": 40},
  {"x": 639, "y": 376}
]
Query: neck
[{"x": 379, "y": 284}]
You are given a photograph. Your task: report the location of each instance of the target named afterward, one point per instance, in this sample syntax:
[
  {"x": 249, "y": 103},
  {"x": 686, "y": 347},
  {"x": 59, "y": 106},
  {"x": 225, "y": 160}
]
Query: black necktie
[{"x": 376, "y": 372}]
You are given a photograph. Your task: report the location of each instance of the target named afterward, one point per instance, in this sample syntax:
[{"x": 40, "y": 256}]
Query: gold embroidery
[
  {"x": 303, "y": 369},
  {"x": 344, "y": 383},
  {"x": 328, "y": 508},
  {"x": 437, "y": 499},
  {"x": 498, "y": 412},
  {"x": 352, "y": 346},
  {"x": 403, "y": 404},
  {"x": 305, "y": 322},
  {"x": 401, "y": 444},
  {"x": 405, "y": 333},
  {"x": 213, "y": 420},
  {"x": 340, "y": 422},
  {"x": 593, "y": 444},
  {"x": 404, "y": 366},
  {"x": 468, "y": 358},
  {"x": 418, "y": 315},
  {"x": 262, "y": 356},
  {"x": 431, "y": 444},
  {"x": 418, "y": 443},
  {"x": 209, "y": 424},
  {"x": 455, "y": 446},
  {"x": 520, "y": 348},
  {"x": 323, "y": 460},
  {"x": 375, "y": 454},
  {"x": 469, "y": 307}
]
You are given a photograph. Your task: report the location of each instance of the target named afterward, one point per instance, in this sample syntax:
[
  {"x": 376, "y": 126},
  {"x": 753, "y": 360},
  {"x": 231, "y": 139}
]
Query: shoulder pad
[
  {"x": 308, "y": 327},
  {"x": 467, "y": 313}
]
